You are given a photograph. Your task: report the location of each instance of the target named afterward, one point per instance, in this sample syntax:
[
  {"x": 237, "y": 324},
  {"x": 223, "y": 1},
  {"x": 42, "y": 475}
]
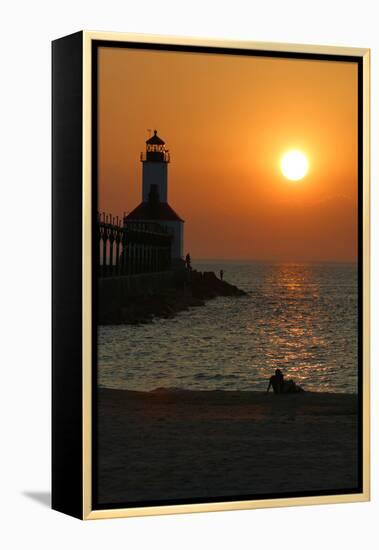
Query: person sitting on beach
[
  {"x": 289, "y": 386},
  {"x": 280, "y": 385},
  {"x": 276, "y": 381}
]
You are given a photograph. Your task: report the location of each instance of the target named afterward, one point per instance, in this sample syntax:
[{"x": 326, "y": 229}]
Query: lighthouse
[{"x": 154, "y": 205}]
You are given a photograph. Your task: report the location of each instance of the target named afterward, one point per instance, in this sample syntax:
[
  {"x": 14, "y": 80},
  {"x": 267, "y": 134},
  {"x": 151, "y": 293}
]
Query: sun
[{"x": 294, "y": 165}]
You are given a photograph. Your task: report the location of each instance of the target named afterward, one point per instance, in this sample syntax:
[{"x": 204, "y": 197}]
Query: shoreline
[
  {"x": 304, "y": 403},
  {"x": 174, "y": 389},
  {"x": 220, "y": 394},
  {"x": 175, "y": 444}
]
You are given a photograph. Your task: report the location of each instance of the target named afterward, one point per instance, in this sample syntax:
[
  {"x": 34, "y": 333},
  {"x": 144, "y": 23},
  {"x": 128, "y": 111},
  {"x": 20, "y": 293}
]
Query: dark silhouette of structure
[
  {"x": 154, "y": 206},
  {"x": 132, "y": 248}
]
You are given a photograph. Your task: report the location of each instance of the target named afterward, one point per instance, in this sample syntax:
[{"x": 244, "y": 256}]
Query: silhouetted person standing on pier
[
  {"x": 221, "y": 274},
  {"x": 188, "y": 262}
]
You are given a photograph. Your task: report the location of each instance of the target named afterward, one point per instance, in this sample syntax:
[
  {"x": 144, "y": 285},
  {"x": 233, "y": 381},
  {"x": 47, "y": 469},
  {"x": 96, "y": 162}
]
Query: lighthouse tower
[
  {"x": 154, "y": 168},
  {"x": 154, "y": 205}
]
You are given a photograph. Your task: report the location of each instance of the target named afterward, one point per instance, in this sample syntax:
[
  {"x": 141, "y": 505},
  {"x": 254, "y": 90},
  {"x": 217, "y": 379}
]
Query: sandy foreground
[{"x": 164, "y": 445}]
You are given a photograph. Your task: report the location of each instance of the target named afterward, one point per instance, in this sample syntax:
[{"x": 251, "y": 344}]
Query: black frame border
[{"x": 67, "y": 259}]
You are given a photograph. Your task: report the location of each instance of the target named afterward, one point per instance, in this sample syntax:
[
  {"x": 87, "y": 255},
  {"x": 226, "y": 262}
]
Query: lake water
[{"x": 302, "y": 318}]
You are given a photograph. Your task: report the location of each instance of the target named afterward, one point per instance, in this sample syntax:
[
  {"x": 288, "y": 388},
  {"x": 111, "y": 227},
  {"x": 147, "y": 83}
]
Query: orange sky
[{"x": 226, "y": 121}]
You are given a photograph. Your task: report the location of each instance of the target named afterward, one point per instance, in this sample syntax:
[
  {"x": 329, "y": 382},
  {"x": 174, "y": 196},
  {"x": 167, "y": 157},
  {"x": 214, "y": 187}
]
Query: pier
[
  {"x": 137, "y": 278},
  {"x": 132, "y": 247}
]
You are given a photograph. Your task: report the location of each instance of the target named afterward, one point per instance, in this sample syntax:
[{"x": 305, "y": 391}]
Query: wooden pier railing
[{"x": 132, "y": 247}]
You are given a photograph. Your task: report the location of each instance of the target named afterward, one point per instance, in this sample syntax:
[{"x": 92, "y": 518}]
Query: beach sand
[{"x": 172, "y": 445}]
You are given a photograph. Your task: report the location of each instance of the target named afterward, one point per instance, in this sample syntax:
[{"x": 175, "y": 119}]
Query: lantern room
[{"x": 155, "y": 150}]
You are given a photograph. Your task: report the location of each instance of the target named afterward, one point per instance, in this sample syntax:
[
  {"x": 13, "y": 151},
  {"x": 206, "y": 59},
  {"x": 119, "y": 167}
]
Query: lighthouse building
[{"x": 154, "y": 205}]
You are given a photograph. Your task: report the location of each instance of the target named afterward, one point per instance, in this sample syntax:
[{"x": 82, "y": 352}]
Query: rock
[{"x": 192, "y": 291}]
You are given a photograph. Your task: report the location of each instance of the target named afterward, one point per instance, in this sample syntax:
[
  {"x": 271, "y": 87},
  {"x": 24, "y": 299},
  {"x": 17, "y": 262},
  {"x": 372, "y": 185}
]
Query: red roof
[{"x": 154, "y": 211}]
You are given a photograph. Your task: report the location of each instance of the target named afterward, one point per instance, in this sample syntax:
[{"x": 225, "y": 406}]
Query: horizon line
[{"x": 271, "y": 260}]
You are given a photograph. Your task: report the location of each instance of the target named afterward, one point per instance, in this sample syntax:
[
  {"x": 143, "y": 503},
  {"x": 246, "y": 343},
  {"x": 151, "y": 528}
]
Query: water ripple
[{"x": 299, "y": 317}]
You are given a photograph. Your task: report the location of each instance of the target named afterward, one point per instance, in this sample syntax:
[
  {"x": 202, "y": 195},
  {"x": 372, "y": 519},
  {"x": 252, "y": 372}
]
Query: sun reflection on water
[{"x": 298, "y": 317}]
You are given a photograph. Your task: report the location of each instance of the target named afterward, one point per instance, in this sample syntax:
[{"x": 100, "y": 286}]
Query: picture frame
[{"x": 77, "y": 123}]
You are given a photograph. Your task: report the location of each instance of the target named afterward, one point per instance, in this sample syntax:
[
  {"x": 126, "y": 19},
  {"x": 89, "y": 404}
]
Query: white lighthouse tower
[{"x": 154, "y": 205}]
